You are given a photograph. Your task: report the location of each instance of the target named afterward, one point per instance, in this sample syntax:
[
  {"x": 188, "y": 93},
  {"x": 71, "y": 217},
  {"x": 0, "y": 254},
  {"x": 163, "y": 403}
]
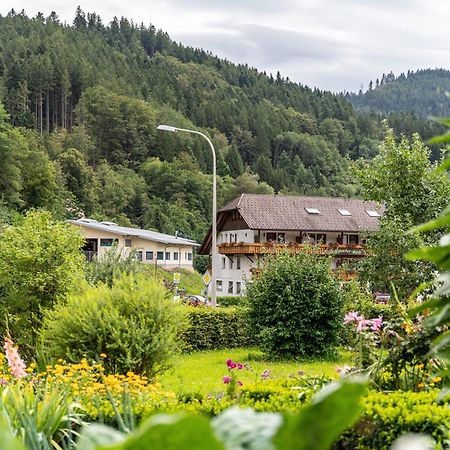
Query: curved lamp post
[{"x": 214, "y": 206}]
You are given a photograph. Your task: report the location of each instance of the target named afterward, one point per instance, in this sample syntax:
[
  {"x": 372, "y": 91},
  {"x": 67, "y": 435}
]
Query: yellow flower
[
  {"x": 436, "y": 379},
  {"x": 102, "y": 355}
]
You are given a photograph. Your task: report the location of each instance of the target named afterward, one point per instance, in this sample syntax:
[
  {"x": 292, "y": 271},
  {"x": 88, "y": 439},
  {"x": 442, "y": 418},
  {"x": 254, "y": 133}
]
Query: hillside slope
[{"x": 423, "y": 92}]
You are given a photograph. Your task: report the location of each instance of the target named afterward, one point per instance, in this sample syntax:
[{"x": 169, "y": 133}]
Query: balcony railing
[{"x": 242, "y": 248}]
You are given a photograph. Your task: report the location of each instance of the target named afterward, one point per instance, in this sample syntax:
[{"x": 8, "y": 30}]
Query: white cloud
[{"x": 335, "y": 45}]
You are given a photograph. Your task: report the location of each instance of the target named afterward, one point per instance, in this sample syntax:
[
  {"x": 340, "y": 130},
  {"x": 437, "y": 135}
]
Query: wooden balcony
[{"x": 241, "y": 248}]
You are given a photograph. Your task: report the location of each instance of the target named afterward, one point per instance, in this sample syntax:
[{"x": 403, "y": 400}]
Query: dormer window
[{"x": 312, "y": 211}]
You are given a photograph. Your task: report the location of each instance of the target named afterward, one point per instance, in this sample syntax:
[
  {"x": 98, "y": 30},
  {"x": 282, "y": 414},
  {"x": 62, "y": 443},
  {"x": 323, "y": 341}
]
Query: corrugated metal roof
[
  {"x": 286, "y": 212},
  {"x": 134, "y": 232}
]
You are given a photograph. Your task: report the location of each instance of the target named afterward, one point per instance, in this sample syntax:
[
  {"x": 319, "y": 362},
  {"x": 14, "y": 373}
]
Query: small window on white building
[
  {"x": 238, "y": 287},
  {"x": 344, "y": 212},
  {"x": 139, "y": 255},
  {"x": 230, "y": 287},
  {"x": 312, "y": 211},
  {"x": 238, "y": 262},
  {"x": 148, "y": 255},
  {"x": 167, "y": 256},
  {"x": 127, "y": 242},
  {"x": 219, "y": 285},
  {"x": 230, "y": 264},
  {"x": 175, "y": 256},
  {"x": 160, "y": 256},
  {"x": 189, "y": 256},
  {"x": 373, "y": 213}
]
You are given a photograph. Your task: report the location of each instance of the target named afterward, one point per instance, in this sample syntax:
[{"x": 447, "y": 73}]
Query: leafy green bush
[
  {"x": 134, "y": 323},
  {"x": 111, "y": 265},
  {"x": 215, "y": 328},
  {"x": 295, "y": 306},
  {"x": 40, "y": 261}
]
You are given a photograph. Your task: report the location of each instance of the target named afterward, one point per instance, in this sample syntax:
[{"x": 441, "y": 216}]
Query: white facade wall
[
  {"x": 125, "y": 244},
  {"x": 228, "y": 276}
]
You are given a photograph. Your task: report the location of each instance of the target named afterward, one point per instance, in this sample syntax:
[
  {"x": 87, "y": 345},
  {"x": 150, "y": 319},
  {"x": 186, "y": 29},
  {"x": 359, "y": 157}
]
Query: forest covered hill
[
  {"x": 82, "y": 103},
  {"x": 422, "y": 91}
]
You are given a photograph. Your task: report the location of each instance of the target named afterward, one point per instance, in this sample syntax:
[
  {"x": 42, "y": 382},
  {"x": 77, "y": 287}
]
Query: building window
[
  {"x": 353, "y": 239},
  {"x": 281, "y": 238},
  {"x": 230, "y": 287},
  {"x": 238, "y": 287},
  {"x": 149, "y": 255},
  {"x": 160, "y": 256},
  {"x": 321, "y": 238},
  {"x": 238, "y": 262},
  {"x": 219, "y": 285},
  {"x": 224, "y": 261},
  {"x": 175, "y": 256},
  {"x": 167, "y": 256},
  {"x": 230, "y": 264},
  {"x": 139, "y": 255},
  {"x": 127, "y": 242},
  {"x": 189, "y": 256},
  {"x": 271, "y": 237},
  {"x": 107, "y": 242}
]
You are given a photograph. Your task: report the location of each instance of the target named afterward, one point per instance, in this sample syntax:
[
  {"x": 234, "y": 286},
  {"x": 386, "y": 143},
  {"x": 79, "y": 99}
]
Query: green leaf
[
  {"x": 171, "y": 432},
  {"x": 96, "y": 435},
  {"x": 442, "y": 139},
  {"x": 317, "y": 425},
  {"x": 440, "y": 222},
  {"x": 434, "y": 254},
  {"x": 7, "y": 440}
]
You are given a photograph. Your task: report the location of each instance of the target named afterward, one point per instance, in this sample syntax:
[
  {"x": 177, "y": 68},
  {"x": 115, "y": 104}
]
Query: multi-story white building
[
  {"x": 252, "y": 226},
  {"x": 163, "y": 250}
]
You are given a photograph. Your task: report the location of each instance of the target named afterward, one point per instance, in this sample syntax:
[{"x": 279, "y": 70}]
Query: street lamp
[{"x": 214, "y": 206}]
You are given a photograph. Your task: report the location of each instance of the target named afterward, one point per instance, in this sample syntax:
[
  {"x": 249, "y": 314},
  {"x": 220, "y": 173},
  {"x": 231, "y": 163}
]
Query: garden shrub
[
  {"x": 215, "y": 328},
  {"x": 40, "y": 261},
  {"x": 134, "y": 323},
  {"x": 295, "y": 306},
  {"x": 112, "y": 265}
]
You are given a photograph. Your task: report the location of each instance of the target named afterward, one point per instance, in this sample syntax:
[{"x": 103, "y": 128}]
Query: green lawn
[{"x": 203, "y": 371}]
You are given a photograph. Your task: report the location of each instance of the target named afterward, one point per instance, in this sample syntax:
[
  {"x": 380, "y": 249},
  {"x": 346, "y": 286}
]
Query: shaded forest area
[{"x": 82, "y": 102}]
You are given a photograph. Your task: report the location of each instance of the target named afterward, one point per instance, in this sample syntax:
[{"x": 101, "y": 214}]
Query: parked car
[{"x": 196, "y": 300}]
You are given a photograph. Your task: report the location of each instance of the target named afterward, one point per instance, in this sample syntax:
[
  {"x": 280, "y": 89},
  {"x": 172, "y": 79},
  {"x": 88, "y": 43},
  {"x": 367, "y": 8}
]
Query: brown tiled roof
[{"x": 286, "y": 212}]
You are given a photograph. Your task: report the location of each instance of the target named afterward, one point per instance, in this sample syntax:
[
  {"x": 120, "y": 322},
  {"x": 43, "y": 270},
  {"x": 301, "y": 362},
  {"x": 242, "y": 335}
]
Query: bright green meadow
[{"x": 203, "y": 371}]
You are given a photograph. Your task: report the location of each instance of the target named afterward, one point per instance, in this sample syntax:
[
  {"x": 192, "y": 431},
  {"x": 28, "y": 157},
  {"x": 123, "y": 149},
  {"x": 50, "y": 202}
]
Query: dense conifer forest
[
  {"x": 423, "y": 92},
  {"x": 81, "y": 104}
]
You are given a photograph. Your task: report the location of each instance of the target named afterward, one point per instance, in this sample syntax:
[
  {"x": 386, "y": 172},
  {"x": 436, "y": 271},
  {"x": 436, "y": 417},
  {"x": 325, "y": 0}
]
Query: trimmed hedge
[
  {"x": 232, "y": 300},
  {"x": 216, "y": 328}
]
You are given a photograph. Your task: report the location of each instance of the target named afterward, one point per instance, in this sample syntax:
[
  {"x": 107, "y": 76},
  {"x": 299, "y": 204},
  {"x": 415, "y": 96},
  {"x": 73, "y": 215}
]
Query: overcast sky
[{"x": 329, "y": 44}]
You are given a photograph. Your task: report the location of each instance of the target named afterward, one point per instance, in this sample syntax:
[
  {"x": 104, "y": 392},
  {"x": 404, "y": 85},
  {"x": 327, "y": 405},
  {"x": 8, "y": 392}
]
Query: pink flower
[
  {"x": 352, "y": 316},
  {"x": 231, "y": 364},
  {"x": 362, "y": 324},
  {"x": 376, "y": 323},
  {"x": 265, "y": 374},
  {"x": 240, "y": 366},
  {"x": 240, "y": 383},
  {"x": 15, "y": 362},
  {"x": 226, "y": 379}
]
